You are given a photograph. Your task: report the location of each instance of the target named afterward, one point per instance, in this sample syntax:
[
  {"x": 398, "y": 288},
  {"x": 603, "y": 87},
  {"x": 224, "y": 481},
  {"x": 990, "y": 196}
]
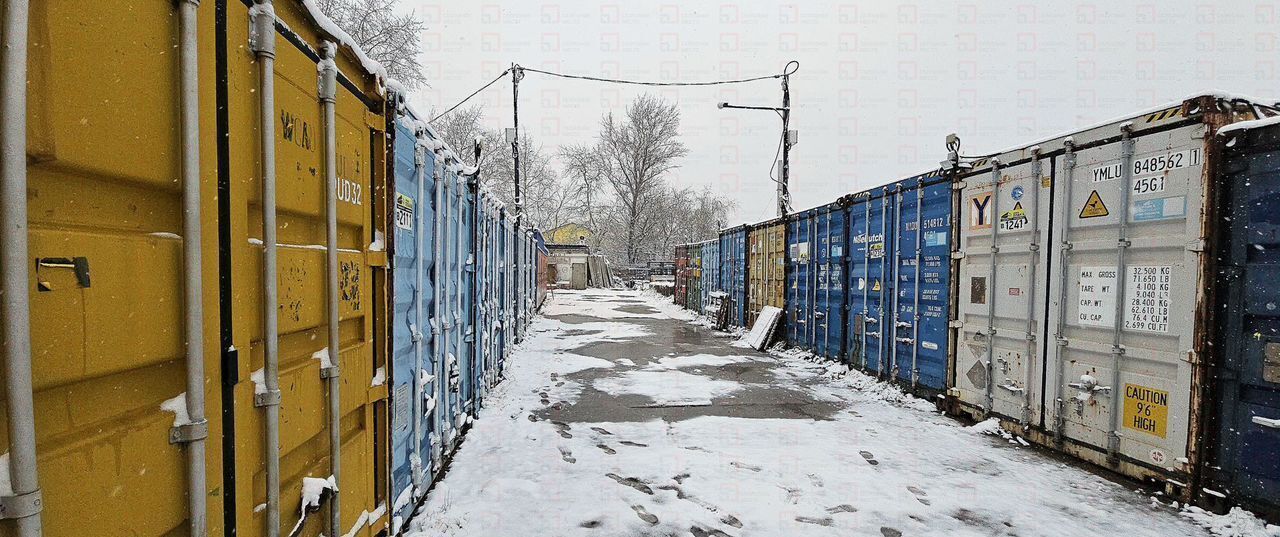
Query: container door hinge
[
  {"x": 955, "y": 323},
  {"x": 959, "y": 185},
  {"x": 958, "y": 254},
  {"x": 1198, "y": 246},
  {"x": 21, "y": 505},
  {"x": 189, "y": 432}
]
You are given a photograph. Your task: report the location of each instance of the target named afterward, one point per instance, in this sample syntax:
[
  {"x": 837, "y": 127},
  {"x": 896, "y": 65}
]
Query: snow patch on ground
[
  {"x": 1236, "y": 523},
  {"x": 667, "y": 388},
  {"x": 696, "y": 360}
]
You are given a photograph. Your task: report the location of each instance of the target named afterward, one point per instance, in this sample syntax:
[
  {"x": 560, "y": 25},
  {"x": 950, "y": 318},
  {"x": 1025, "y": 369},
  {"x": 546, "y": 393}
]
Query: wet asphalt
[{"x": 761, "y": 396}]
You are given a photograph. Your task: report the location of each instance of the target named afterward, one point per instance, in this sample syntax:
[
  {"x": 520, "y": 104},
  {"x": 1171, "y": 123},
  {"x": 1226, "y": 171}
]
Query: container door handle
[{"x": 1273, "y": 423}]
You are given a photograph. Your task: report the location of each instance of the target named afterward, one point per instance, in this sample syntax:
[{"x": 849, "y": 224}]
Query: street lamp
[{"x": 789, "y": 137}]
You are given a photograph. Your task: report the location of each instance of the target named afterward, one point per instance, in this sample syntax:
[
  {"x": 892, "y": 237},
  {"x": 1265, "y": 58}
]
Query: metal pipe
[
  {"x": 477, "y": 384},
  {"x": 826, "y": 297},
  {"x": 328, "y": 99},
  {"x": 897, "y": 267},
  {"x": 420, "y": 280},
  {"x": 1064, "y": 255},
  {"x": 439, "y": 332},
  {"x": 14, "y": 263},
  {"x": 991, "y": 285},
  {"x": 1122, "y": 273},
  {"x": 866, "y": 277},
  {"x": 459, "y": 194},
  {"x": 884, "y": 284},
  {"x": 915, "y": 300},
  {"x": 1033, "y": 251},
  {"x": 263, "y": 44},
  {"x": 197, "y": 430}
]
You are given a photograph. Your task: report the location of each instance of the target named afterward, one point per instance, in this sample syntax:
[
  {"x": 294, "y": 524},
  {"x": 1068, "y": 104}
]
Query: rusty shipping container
[
  {"x": 1084, "y": 298},
  {"x": 681, "y": 288},
  {"x": 766, "y": 257}
]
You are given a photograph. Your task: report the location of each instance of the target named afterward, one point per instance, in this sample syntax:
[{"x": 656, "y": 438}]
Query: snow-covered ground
[{"x": 619, "y": 417}]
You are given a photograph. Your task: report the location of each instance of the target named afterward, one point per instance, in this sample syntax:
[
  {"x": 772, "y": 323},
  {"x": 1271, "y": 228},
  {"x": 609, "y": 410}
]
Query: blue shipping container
[
  {"x": 1246, "y": 454},
  {"x": 710, "y": 272},
  {"x": 817, "y": 242},
  {"x": 870, "y": 277},
  {"x": 922, "y": 287},
  {"x": 733, "y": 272}
]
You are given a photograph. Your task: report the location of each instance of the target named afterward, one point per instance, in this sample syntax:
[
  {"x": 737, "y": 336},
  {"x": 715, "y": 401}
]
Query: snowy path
[{"x": 619, "y": 417}]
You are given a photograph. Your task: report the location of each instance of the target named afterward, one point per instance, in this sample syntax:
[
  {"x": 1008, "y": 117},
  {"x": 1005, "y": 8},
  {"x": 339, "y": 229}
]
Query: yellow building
[{"x": 570, "y": 233}]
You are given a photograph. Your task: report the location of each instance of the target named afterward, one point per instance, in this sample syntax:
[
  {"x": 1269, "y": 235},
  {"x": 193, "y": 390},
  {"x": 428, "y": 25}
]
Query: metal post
[
  {"x": 25, "y": 503},
  {"x": 866, "y": 277},
  {"x": 420, "y": 280},
  {"x": 897, "y": 267},
  {"x": 517, "y": 74},
  {"x": 194, "y": 432},
  {"x": 1122, "y": 276},
  {"x": 328, "y": 98},
  {"x": 883, "y": 314},
  {"x": 262, "y": 41},
  {"x": 1064, "y": 256},
  {"x": 439, "y": 332},
  {"x": 1033, "y": 253},
  {"x": 783, "y": 193},
  {"x": 991, "y": 285},
  {"x": 915, "y": 300}
]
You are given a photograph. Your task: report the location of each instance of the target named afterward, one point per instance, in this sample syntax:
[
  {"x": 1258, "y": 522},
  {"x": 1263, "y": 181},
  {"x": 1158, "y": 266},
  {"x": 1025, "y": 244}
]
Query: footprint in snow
[
  {"x": 920, "y": 495},
  {"x": 601, "y": 430},
  {"x": 699, "y": 531},
  {"x": 824, "y": 521},
  {"x": 567, "y": 456},
  {"x": 681, "y": 477},
  {"x": 816, "y": 480},
  {"x": 533, "y": 418},
  {"x": 886, "y": 531},
  {"x": 731, "y": 521},
  {"x": 644, "y": 514},
  {"x": 871, "y": 459},
  {"x": 590, "y": 524},
  {"x": 632, "y": 444},
  {"x": 631, "y": 482},
  {"x": 607, "y": 449},
  {"x": 744, "y": 466},
  {"x": 842, "y": 508}
]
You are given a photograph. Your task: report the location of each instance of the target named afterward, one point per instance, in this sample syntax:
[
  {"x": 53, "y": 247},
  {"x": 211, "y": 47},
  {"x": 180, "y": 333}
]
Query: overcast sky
[{"x": 880, "y": 83}]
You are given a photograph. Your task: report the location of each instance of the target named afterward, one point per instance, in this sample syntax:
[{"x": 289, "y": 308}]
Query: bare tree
[
  {"x": 638, "y": 151},
  {"x": 390, "y": 38}
]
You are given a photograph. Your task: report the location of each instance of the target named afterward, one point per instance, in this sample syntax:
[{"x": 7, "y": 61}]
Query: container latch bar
[
  {"x": 189, "y": 432},
  {"x": 21, "y": 505}
]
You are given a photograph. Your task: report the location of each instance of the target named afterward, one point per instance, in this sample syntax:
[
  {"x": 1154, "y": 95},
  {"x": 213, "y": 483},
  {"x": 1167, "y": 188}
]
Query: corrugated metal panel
[
  {"x": 817, "y": 240},
  {"x": 870, "y": 276},
  {"x": 919, "y": 356},
  {"x": 410, "y": 446},
  {"x": 681, "y": 280},
  {"x": 766, "y": 272},
  {"x": 1245, "y": 459},
  {"x": 710, "y": 272},
  {"x": 733, "y": 272}
]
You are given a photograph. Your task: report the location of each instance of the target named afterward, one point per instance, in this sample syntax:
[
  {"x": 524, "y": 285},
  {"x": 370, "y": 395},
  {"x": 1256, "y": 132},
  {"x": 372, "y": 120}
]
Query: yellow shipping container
[
  {"x": 766, "y": 248},
  {"x": 106, "y": 279}
]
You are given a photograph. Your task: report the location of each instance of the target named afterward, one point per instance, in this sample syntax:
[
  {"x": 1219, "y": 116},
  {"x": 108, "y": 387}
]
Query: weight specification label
[
  {"x": 1097, "y": 305},
  {"x": 1147, "y": 298}
]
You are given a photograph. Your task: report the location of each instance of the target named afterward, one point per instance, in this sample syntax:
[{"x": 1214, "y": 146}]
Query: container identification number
[{"x": 1171, "y": 161}]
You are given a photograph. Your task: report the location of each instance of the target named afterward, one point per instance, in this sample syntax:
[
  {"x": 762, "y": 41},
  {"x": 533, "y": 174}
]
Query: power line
[
  {"x": 473, "y": 94},
  {"x": 788, "y": 70}
]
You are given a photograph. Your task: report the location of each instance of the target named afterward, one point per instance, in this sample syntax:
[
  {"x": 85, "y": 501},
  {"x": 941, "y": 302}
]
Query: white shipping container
[{"x": 1080, "y": 314}]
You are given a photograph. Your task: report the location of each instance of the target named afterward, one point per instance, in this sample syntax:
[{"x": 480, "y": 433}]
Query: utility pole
[
  {"x": 517, "y": 73},
  {"x": 784, "y": 195},
  {"x": 789, "y": 138}
]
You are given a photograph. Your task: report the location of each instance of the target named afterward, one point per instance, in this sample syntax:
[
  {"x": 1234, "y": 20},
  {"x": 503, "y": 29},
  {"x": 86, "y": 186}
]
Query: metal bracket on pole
[
  {"x": 189, "y": 432},
  {"x": 330, "y": 372},
  {"x": 266, "y": 399},
  {"x": 21, "y": 505}
]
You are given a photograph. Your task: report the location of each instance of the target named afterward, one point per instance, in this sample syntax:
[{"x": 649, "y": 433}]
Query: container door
[
  {"x": 740, "y": 273},
  {"x": 930, "y": 353},
  {"x": 829, "y": 258},
  {"x": 1248, "y": 376},
  {"x": 1001, "y": 308},
  {"x": 412, "y": 218},
  {"x": 870, "y": 280},
  {"x": 1125, "y": 321},
  {"x": 798, "y": 289}
]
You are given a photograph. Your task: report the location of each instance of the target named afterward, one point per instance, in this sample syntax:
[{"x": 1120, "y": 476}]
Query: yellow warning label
[
  {"x": 1146, "y": 409},
  {"x": 1093, "y": 207},
  {"x": 875, "y": 286}
]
